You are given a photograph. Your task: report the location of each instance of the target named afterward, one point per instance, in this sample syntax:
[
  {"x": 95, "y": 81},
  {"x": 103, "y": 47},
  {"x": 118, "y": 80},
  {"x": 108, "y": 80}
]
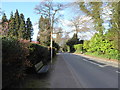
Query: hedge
[
  {"x": 19, "y": 56},
  {"x": 38, "y": 53},
  {"x": 101, "y": 46},
  {"x": 78, "y": 48},
  {"x": 14, "y": 60}
]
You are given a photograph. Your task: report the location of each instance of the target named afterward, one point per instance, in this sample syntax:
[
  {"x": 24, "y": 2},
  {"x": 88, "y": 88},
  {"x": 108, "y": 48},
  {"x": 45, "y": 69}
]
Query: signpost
[
  {"x": 51, "y": 44},
  {"x": 51, "y": 47}
]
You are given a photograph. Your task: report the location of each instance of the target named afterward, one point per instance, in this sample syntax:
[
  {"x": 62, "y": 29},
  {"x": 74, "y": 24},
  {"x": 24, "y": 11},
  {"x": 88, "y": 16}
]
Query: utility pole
[
  {"x": 51, "y": 44},
  {"x": 51, "y": 47},
  {"x": 49, "y": 9}
]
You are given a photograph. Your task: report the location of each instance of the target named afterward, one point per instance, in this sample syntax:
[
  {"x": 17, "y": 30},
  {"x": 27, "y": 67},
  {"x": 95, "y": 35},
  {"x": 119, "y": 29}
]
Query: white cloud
[{"x": 35, "y": 28}]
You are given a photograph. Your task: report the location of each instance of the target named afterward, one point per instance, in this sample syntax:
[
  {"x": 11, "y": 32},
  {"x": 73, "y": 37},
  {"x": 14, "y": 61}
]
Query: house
[{"x": 35, "y": 42}]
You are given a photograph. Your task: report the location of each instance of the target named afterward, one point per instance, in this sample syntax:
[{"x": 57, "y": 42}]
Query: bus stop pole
[{"x": 51, "y": 47}]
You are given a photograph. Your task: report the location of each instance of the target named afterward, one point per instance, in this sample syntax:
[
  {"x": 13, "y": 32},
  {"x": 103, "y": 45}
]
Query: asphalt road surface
[{"x": 75, "y": 71}]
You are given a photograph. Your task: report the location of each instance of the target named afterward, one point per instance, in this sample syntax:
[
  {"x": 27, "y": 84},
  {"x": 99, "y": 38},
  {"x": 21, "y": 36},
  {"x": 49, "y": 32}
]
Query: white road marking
[
  {"x": 93, "y": 63},
  {"x": 117, "y": 72}
]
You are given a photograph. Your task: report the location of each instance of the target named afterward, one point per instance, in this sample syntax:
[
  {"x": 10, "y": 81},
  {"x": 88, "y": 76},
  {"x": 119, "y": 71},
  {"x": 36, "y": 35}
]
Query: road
[{"x": 75, "y": 71}]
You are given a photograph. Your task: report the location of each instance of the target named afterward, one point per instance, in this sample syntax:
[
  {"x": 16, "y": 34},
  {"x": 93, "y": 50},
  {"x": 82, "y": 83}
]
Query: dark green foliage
[
  {"x": 13, "y": 60},
  {"x": 21, "y": 32},
  {"x": 38, "y": 53},
  {"x": 11, "y": 31},
  {"x": 44, "y": 23},
  {"x": 74, "y": 40},
  {"x": 65, "y": 48},
  {"x": 55, "y": 45},
  {"x": 17, "y": 23},
  {"x": 16, "y": 26},
  {"x": 41, "y": 23},
  {"x": 20, "y": 56},
  {"x": 54, "y": 51},
  {"x": 29, "y": 30},
  {"x": 4, "y": 18},
  {"x": 44, "y": 31}
]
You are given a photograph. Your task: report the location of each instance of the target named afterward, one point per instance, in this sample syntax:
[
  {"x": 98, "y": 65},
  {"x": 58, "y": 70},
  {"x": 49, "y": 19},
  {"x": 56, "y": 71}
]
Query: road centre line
[{"x": 93, "y": 63}]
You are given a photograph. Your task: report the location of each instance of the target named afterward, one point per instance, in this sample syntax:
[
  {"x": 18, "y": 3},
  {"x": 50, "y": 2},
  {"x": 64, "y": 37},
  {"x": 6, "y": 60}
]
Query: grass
[
  {"x": 103, "y": 55},
  {"x": 78, "y": 51}
]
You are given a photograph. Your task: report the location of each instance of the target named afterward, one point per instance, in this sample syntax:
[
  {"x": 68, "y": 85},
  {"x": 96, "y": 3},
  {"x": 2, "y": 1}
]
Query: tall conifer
[
  {"x": 11, "y": 31},
  {"x": 21, "y": 32},
  {"x": 29, "y": 30},
  {"x": 17, "y": 23}
]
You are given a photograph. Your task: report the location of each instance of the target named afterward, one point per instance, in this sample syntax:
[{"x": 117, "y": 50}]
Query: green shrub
[
  {"x": 39, "y": 53},
  {"x": 55, "y": 45},
  {"x": 19, "y": 56},
  {"x": 71, "y": 42},
  {"x": 66, "y": 48},
  {"x": 54, "y": 51},
  {"x": 101, "y": 46},
  {"x": 78, "y": 48},
  {"x": 86, "y": 45},
  {"x": 14, "y": 60},
  {"x": 112, "y": 54}
]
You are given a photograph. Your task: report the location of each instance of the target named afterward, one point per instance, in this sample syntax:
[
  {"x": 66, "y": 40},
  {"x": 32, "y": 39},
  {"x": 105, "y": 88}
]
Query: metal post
[{"x": 51, "y": 48}]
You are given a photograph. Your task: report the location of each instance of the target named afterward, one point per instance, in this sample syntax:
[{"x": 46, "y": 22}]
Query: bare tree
[
  {"x": 50, "y": 10},
  {"x": 80, "y": 24},
  {"x": 58, "y": 31}
]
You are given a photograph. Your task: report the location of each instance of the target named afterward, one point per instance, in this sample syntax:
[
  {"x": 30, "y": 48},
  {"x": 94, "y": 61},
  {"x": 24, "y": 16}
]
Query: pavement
[
  {"x": 75, "y": 71},
  {"x": 110, "y": 62}
]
